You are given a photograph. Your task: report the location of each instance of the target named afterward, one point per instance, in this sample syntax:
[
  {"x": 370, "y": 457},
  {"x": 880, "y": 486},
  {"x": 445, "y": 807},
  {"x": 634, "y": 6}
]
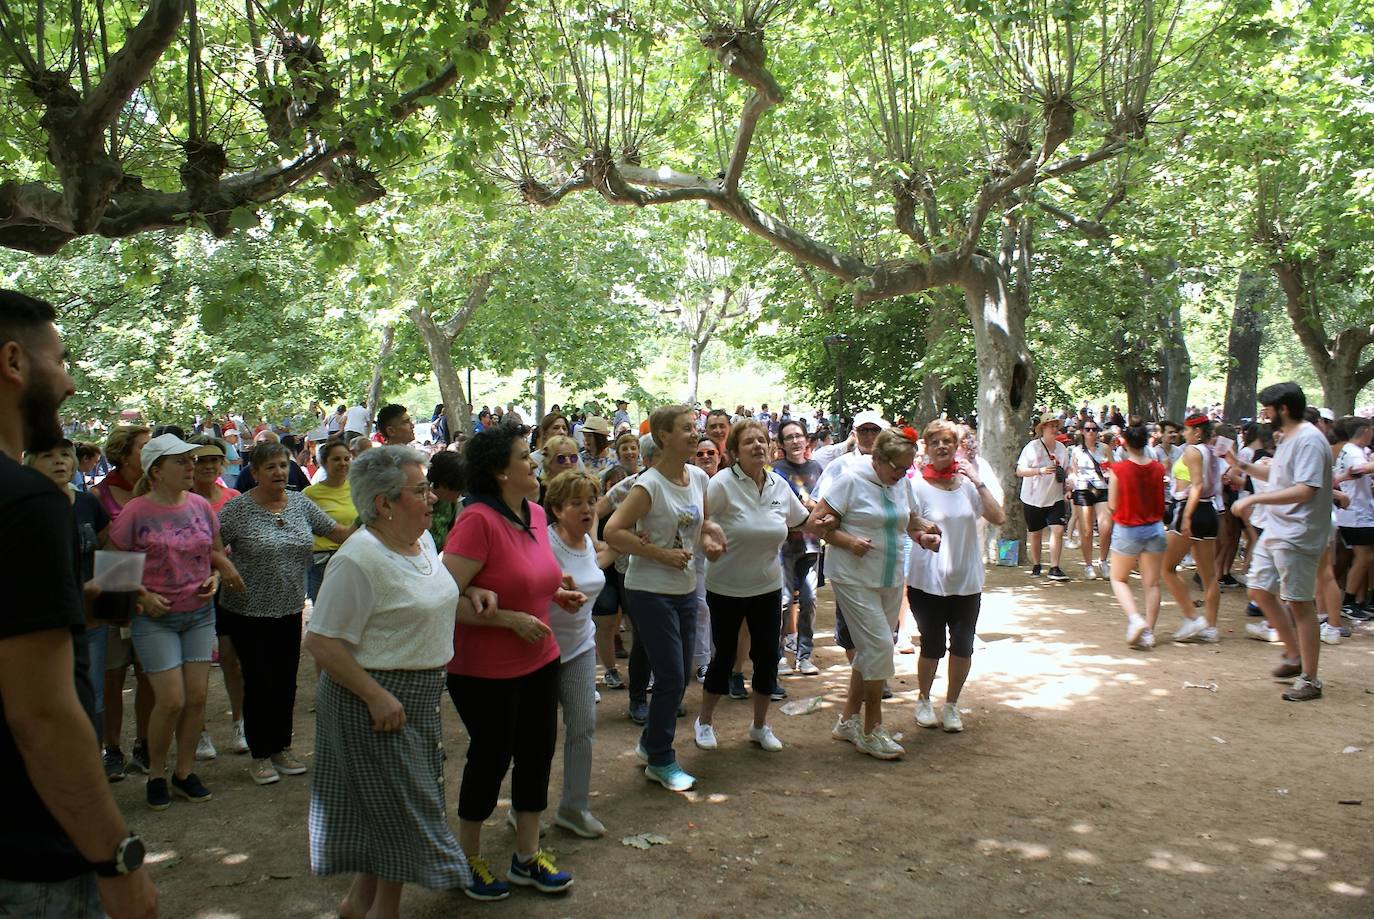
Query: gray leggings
[{"x": 577, "y": 698}]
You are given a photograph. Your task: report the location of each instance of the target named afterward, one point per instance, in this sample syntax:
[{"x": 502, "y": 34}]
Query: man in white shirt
[
  {"x": 867, "y": 426},
  {"x": 1042, "y": 468},
  {"x": 357, "y": 422},
  {"x": 1284, "y": 563}
]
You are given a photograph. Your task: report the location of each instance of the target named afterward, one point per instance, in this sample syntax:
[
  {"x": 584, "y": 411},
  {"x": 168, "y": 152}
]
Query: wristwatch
[{"x": 128, "y": 858}]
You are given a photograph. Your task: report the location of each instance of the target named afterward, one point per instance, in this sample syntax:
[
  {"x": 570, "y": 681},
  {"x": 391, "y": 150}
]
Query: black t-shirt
[
  {"x": 91, "y": 519},
  {"x": 38, "y": 559},
  {"x": 803, "y": 478}
]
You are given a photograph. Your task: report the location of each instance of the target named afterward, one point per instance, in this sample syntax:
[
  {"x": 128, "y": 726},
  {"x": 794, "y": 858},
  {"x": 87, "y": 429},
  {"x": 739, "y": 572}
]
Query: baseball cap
[
  {"x": 870, "y": 417},
  {"x": 172, "y": 445},
  {"x": 1327, "y": 414}
]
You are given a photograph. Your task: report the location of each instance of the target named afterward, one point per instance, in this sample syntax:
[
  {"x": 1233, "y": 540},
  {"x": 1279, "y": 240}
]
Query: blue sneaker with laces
[
  {"x": 672, "y": 777},
  {"x": 485, "y": 885},
  {"x": 539, "y": 873}
]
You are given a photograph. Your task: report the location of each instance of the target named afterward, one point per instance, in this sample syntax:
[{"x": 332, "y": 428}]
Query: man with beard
[{"x": 64, "y": 848}]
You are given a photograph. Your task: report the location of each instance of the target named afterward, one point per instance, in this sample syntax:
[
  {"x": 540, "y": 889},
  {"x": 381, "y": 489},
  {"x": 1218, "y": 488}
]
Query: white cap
[
  {"x": 1327, "y": 414},
  {"x": 172, "y": 445},
  {"x": 870, "y": 417}
]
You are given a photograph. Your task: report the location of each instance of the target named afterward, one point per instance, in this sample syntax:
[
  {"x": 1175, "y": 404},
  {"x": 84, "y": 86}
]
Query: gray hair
[
  {"x": 647, "y": 449},
  {"x": 379, "y": 472}
]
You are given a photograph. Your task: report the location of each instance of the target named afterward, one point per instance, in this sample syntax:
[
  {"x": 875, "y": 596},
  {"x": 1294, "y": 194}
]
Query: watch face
[{"x": 132, "y": 856}]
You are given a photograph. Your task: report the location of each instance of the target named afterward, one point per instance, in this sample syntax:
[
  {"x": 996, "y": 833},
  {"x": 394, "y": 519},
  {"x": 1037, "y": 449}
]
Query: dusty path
[{"x": 1088, "y": 782}]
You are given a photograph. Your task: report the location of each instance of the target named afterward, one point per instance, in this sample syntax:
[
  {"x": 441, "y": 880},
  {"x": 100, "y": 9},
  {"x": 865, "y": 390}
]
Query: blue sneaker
[
  {"x": 539, "y": 873},
  {"x": 671, "y": 777},
  {"x": 485, "y": 885},
  {"x": 639, "y": 712}
]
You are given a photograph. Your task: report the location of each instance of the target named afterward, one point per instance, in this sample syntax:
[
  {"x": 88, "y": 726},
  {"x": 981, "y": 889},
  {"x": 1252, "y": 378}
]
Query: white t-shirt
[
  {"x": 957, "y": 569},
  {"x": 1304, "y": 458},
  {"x": 358, "y": 420},
  {"x": 1259, "y": 513},
  {"x": 673, "y": 522},
  {"x": 1082, "y": 473},
  {"x": 867, "y": 508},
  {"x": 1360, "y": 513},
  {"x": 1042, "y": 490},
  {"x": 831, "y": 452},
  {"x": 395, "y": 611},
  {"x": 575, "y": 632},
  {"x": 755, "y": 524},
  {"x": 838, "y": 467}
]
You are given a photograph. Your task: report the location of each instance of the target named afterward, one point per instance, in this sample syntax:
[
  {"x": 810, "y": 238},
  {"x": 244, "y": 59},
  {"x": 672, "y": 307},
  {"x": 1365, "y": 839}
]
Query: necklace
[{"x": 421, "y": 562}]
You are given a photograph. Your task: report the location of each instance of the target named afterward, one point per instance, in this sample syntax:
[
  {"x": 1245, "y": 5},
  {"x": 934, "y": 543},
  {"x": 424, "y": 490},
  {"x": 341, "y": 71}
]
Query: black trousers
[
  {"x": 507, "y": 720},
  {"x": 269, "y": 650},
  {"x": 763, "y": 614}
]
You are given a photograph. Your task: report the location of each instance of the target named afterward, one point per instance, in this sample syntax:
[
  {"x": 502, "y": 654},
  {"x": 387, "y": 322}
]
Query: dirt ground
[{"x": 1088, "y": 782}]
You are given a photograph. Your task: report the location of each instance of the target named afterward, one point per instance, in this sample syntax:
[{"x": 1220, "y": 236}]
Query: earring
[
  {"x": 390, "y": 516},
  {"x": 502, "y": 477}
]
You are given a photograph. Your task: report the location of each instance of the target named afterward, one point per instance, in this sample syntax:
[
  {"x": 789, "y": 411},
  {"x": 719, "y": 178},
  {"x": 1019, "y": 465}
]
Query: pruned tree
[
  {"x": 439, "y": 337},
  {"x": 712, "y": 294}
]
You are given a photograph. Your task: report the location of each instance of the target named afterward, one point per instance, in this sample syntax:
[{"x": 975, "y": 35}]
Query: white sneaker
[
  {"x": 1189, "y": 629},
  {"x": 880, "y": 745},
  {"x": 806, "y": 668},
  {"x": 706, "y": 735},
  {"x": 1209, "y": 635},
  {"x": 597, "y": 693},
  {"x": 1089, "y": 573},
  {"x": 1331, "y": 635},
  {"x": 765, "y": 738},
  {"x": 949, "y": 718},
  {"x": 240, "y": 742},
  {"x": 849, "y": 729},
  {"x": 205, "y": 748},
  {"x": 783, "y": 669},
  {"x": 925, "y": 713},
  {"x": 1261, "y": 631},
  {"x": 1147, "y": 640},
  {"x": 1135, "y": 627}
]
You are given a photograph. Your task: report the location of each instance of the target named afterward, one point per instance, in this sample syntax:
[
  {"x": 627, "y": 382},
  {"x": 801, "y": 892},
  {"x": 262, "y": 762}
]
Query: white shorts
[
  {"x": 871, "y": 614},
  {"x": 1280, "y": 569}
]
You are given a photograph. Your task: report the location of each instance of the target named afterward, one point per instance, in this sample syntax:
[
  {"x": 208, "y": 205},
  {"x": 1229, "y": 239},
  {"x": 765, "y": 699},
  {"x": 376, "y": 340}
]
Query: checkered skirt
[{"x": 377, "y": 799}]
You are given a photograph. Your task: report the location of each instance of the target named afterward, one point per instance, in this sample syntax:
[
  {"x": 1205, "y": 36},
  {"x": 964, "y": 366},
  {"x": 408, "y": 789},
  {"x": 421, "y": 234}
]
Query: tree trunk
[
  {"x": 541, "y": 372},
  {"x": 1177, "y": 375},
  {"x": 694, "y": 368},
  {"x": 374, "y": 392},
  {"x": 440, "y": 349},
  {"x": 1335, "y": 360},
  {"x": 1247, "y": 328},
  {"x": 934, "y": 393},
  {"x": 1006, "y": 378}
]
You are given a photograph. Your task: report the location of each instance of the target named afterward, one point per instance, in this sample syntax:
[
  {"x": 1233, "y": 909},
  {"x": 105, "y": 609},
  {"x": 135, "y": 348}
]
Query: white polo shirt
[
  {"x": 868, "y": 508},
  {"x": 755, "y": 522}
]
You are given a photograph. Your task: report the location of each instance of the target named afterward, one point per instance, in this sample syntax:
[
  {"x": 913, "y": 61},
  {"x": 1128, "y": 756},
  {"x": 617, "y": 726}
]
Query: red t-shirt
[
  {"x": 1139, "y": 493},
  {"x": 524, "y": 574}
]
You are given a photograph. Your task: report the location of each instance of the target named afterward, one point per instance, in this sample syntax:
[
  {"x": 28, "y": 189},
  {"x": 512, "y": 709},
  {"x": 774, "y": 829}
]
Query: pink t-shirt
[
  {"x": 524, "y": 574},
  {"x": 177, "y": 541},
  {"x": 226, "y": 494}
]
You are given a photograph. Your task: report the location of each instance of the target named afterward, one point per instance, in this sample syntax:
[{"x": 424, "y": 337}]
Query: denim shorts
[
  {"x": 1148, "y": 537},
  {"x": 167, "y": 642},
  {"x": 77, "y": 898}
]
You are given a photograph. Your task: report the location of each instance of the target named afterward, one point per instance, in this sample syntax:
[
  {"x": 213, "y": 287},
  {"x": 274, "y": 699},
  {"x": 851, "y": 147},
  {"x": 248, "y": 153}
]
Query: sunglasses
[
  {"x": 704, "y": 453},
  {"x": 565, "y": 459},
  {"x": 1091, "y": 430}
]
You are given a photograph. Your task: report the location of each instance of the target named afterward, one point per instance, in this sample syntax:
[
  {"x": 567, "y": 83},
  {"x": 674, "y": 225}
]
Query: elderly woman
[
  {"x": 503, "y": 677},
  {"x": 333, "y": 497},
  {"x": 945, "y": 587},
  {"x": 755, "y": 507},
  {"x": 175, "y": 629},
  {"x": 668, "y": 505},
  {"x": 864, "y": 515},
  {"x": 1194, "y": 528},
  {"x": 381, "y": 633},
  {"x": 270, "y": 531},
  {"x": 572, "y": 498}
]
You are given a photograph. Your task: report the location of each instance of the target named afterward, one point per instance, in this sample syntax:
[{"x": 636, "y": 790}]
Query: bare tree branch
[{"x": 477, "y": 294}]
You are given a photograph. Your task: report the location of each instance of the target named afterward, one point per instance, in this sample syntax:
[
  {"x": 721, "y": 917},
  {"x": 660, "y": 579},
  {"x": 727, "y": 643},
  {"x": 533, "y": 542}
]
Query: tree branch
[
  {"x": 481, "y": 286},
  {"x": 1089, "y": 228},
  {"x": 476, "y": 43},
  {"x": 742, "y": 53},
  {"x": 144, "y": 45}
]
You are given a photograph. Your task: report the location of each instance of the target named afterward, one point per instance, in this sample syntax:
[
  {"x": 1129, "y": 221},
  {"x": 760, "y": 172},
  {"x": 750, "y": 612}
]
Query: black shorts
[
  {"x": 1357, "y": 536},
  {"x": 1087, "y": 497},
  {"x": 1037, "y": 518},
  {"x": 608, "y": 601},
  {"x": 938, "y": 615},
  {"x": 1205, "y": 520}
]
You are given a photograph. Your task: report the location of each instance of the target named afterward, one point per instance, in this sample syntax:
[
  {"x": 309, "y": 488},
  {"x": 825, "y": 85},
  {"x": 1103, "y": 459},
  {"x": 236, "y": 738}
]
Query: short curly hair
[
  {"x": 488, "y": 453},
  {"x": 566, "y": 486}
]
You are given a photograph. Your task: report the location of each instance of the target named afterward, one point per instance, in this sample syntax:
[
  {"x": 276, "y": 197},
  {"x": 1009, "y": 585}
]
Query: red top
[
  {"x": 1139, "y": 493},
  {"x": 524, "y": 574}
]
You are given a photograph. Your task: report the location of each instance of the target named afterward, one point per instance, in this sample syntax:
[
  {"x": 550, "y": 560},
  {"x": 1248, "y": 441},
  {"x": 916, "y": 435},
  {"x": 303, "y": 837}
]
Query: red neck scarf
[
  {"x": 116, "y": 479},
  {"x": 931, "y": 474}
]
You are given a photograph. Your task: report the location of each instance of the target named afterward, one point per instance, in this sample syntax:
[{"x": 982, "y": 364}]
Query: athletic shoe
[
  {"x": 789, "y": 644},
  {"x": 1189, "y": 629},
  {"x": 1035, "y": 571},
  {"x": 1331, "y": 635},
  {"x": 613, "y": 680},
  {"x": 641, "y": 753},
  {"x": 287, "y": 764},
  {"x": 1261, "y": 631},
  {"x": 114, "y": 764},
  {"x": 205, "y": 747},
  {"x": 1057, "y": 574},
  {"x": 705, "y": 735},
  {"x": 156, "y": 792},
  {"x": 485, "y": 885},
  {"x": 1344, "y": 630},
  {"x": 240, "y": 741},
  {"x": 580, "y": 823},
  {"x": 671, "y": 777},
  {"x": 510, "y": 819},
  {"x": 848, "y": 729},
  {"x": 778, "y": 693},
  {"x": 1304, "y": 689},
  {"x": 950, "y": 720},
  {"x": 806, "y": 668},
  {"x": 1227, "y": 582},
  {"x": 1089, "y": 573},
  {"x": 539, "y": 872},
  {"x": 1135, "y": 627},
  {"x": 880, "y": 745},
  {"x": 597, "y": 693},
  {"x": 925, "y": 713},
  {"x": 639, "y": 712},
  {"x": 263, "y": 772},
  {"x": 1253, "y": 611},
  {"x": 783, "y": 669},
  {"x": 737, "y": 690},
  {"x": 765, "y": 738},
  {"x": 138, "y": 758},
  {"x": 1209, "y": 635},
  {"x": 1287, "y": 669},
  {"x": 1147, "y": 640},
  {"x": 701, "y": 673},
  {"x": 1357, "y": 612},
  {"x": 191, "y": 788}
]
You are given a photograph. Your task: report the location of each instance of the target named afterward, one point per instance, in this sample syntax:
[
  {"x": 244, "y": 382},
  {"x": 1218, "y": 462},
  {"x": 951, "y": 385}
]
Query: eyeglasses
[
  {"x": 423, "y": 490},
  {"x": 869, "y": 430},
  {"x": 794, "y": 437},
  {"x": 565, "y": 459}
]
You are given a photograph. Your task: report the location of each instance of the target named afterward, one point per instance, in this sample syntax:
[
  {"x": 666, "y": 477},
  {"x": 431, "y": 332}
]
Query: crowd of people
[{"x": 501, "y": 567}]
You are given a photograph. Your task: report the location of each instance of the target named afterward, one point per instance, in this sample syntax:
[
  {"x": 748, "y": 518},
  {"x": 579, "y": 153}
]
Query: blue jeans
[
  {"x": 97, "y": 644},
  {"x": 799, "y": 572},
  {"x": 76, "y": 898},
  {"x": 666, "y": 625},
  {"x": 167, "y": 642}
]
